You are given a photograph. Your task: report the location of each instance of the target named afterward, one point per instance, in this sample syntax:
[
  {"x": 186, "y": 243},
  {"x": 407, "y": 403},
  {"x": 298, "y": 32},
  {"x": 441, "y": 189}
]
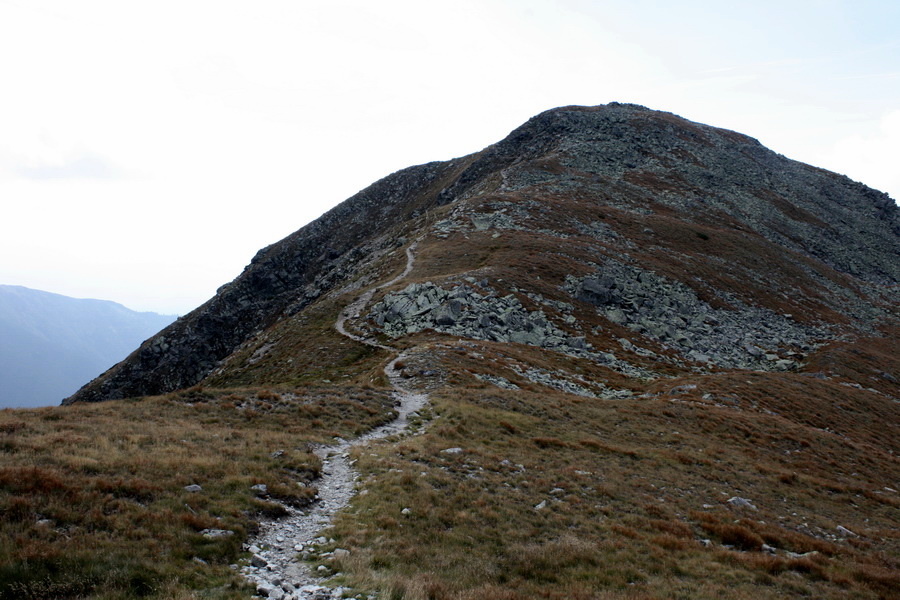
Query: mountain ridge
[
  {"x": 53, "y": 344},
  {"x": 629, "y": 157},
  {"x": 650, "y": 358}
]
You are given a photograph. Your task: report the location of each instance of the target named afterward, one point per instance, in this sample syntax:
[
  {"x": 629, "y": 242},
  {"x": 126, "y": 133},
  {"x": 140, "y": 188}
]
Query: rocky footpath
[{"x": 278, "y": 553}]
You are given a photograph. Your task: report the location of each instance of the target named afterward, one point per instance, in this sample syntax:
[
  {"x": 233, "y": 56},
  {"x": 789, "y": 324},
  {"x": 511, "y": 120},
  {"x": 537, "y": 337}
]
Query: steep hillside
[
  {"x": 660, "y": 360},
  {"x": 50, "y": 345}
]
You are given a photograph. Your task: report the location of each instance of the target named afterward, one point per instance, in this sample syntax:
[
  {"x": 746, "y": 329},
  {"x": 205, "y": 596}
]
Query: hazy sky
[{"x": 149, "y": 149}]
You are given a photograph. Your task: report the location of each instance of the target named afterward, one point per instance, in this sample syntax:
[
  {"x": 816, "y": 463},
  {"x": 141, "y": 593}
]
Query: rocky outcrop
[
  {"x": 484, "y": 315},
  {"x": 464, "y": 311},
  {"x": 741, "y": 336}
]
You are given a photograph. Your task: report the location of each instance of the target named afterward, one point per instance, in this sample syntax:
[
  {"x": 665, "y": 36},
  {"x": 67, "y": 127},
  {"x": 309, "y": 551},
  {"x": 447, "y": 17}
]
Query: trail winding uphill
[{"x": 275, "y": 567}]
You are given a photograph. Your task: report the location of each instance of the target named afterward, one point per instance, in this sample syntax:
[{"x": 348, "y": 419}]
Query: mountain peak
[
  {"x": 615, "y": 352},
  {"x": 652, "y": 193}
]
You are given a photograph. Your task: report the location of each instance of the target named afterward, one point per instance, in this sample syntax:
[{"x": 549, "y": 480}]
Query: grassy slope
[
  {"x": 631, "y": 488},
  {"x": 92, "y": 497}
]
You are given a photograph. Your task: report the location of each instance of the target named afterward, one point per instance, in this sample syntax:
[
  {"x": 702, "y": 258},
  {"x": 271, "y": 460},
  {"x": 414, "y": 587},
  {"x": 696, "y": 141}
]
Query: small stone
[
  {"x": 322, "y": 569},
  {"x": 254, "y": 549},
  {"x": 540, "y": 506},
  {"x": 298, "y": 547},
  {"x": 451, "y": 451},
  {"x": 844, "y": 531},
  {"x": 193, "y": 488},
  {"x": 768, "y": 548},
  {"x": 260, "y": 488},
  {"x": 405, "y": 511},
  {"x": 341, "y": 552},
  {"x": 212, "y": 534},
  {"x": 739, "y": 502}
]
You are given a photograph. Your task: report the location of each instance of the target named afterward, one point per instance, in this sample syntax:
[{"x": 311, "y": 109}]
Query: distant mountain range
[{"x": 50, "y": 345}]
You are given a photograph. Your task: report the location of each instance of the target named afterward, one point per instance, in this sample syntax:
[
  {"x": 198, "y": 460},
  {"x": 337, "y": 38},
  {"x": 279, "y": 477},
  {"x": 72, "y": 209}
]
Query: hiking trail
[{"x": 275, "y": 567}]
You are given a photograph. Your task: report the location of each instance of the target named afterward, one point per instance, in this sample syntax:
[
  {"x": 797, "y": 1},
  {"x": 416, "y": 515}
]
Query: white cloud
[
  {"x": 80, "y": 166},
  {"x": 149, "y": 149},
  {"x": 872, "y": 158}
]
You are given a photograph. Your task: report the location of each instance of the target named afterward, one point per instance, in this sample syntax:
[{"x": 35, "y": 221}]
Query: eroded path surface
[
  {"x": 355, "y": 308},
  {"x": 276, "y": 567}
]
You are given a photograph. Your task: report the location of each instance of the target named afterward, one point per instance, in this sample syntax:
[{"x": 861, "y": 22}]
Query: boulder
[{"x": 258, "y": 561}]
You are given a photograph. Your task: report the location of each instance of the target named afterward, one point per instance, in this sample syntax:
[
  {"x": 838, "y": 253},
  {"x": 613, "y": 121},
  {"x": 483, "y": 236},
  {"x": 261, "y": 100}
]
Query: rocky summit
[
  {"x": 629, "y": 354},
  {"x": 585, "y": 227}
]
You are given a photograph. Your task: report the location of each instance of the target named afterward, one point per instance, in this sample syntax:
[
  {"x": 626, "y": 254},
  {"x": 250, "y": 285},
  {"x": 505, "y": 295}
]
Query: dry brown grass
[
  {"x": 553, "y": 495},
  {"x": 93, "y": 500},
  {"x": 630, "y": 489}
]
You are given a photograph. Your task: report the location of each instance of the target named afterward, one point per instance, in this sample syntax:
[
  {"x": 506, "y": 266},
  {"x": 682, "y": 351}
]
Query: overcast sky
[{"x": 149, "y": 149}]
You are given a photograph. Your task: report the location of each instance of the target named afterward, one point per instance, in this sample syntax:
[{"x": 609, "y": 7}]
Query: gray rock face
[
  {"x": 738, "y": 502},
  {"x": 258, "y": 561},
  {"x": 744, "y": 337},
  {"x": 466, "y": 312},
  {"x": 213, "y": 534}
]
